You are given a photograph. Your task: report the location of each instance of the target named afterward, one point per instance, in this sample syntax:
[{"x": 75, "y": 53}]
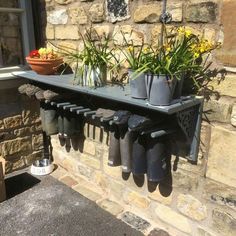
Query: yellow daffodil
[
  {"x": 196, "y": 55},
  {"x": 130, "y": 48},
  {"x": 188, "y": 33}
]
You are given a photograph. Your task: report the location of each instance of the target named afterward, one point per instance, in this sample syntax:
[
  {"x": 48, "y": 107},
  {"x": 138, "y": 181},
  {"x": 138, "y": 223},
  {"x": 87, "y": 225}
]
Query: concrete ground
[{"x": 47, "y": 207}]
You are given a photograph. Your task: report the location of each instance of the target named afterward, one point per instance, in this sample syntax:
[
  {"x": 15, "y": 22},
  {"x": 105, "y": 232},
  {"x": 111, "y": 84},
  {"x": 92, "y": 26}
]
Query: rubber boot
[
  {"x": 50, "y": 119},
  {"x": 114, "y": 158},
  {"x": 60, "y": 125},
  {"x": 126, "y": 150},
  {"x": 121, "y": 120},
  {"x": 139, "y": 161},
  {"x": 71, "y": 125},
  {"x": 157, "y": 153}
]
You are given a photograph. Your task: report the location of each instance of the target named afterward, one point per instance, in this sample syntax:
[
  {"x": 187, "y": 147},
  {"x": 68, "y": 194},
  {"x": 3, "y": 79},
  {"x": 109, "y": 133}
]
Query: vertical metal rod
[{"x": 164, "y": 3}]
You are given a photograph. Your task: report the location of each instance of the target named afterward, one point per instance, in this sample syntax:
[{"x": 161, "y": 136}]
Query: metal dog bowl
[{"x": 42, "y": 167}]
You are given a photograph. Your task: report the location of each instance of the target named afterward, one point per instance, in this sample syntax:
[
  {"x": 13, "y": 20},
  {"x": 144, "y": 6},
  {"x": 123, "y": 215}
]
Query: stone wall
[
  {"x": 21, "y": 140},
  {"x": 200, "y": 199}
]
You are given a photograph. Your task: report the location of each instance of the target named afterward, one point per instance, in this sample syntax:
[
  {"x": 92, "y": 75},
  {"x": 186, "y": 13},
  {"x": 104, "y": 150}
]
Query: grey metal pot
[
  {"x": 137, "y": 85},
  {"x": 160, "y": 89}
]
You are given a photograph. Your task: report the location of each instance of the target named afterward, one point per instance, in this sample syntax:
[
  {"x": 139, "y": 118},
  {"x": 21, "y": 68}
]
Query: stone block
[
  {"x": 191, "y": 207},
  {"x": 203, "y": 232},
  {"x": 90, "y": 161},
  {"x": 49, "y": 31},
  {"x": 70, "y": 164},
  {"x": 37, "y": 141},
  {"x": 147, "y": 13},
  {"x": 205, "y": 12},
  {"x": 67, "y": 32},
  {"x": 232, "y": 118},
  {"x": 184, "y": 181},
  {"x": 57, "y": 17},
  {"x": 96, "y": 13},
  {"x": 227, "y": 53},
  {"x": 22, "y": 131},
  {"x": 112, "y": 207},
  {"x": 84, "y": 170},
  {"x": 78, "y": 15},
  {"x": 88, "y": 193},
  {"x": 135, "y": 221},
  {"x": 137, "y": 200},
  {"x": 102, "y": 30},
  {"x": 219, "y": 194},
  {"x": 173, "y": 218},
  {"x": 129, "y": 33},
  {"x": 222, "y": 156},
  {"x": 157, "y": 196},
  {"x": 176, "y": 10},
  {"x": 18, "y": 145},
  {"x": 59, "y": 173},
  {"x": 63, "y": 2},
  {"x": 30, "y": 113},
  {"x": 218, "y": 110},
  {"x": 89, "y": 147},
  {"x": 101, "y": 180},
  {"x": 117, "y": 10},
  {"x": 114, "y": 172},
  {"x": 226, "y": 87},
  {"x": 2, "y": 125},
  {"x": 224, "y": 222},
  {"x": 68, "y": 180},
  {"x": 116, "y": 189},
  {"x": 12, "y": 122}
]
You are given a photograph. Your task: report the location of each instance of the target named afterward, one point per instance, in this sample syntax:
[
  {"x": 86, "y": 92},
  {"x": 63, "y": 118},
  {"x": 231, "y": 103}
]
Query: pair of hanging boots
[
  {"x": 139, "y": 154},
  {"x": 149, "y": 155}
]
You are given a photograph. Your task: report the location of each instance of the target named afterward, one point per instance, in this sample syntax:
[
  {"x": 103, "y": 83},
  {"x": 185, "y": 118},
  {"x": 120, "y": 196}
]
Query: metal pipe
[
  {"x": 89, "y": 113},
  {"x": 160, "y": 133},
  {"x": 11, "y": 10},
  {"x": 62, "y": 104},
  {"x": 76, "y": 108},
  {"x": 82, "y": 111},
  {"x": 67, "y": 107}
]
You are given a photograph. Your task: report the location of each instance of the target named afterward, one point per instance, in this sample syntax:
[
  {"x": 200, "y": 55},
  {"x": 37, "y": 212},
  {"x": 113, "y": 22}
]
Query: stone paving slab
[{"x": 52, "y": 208}]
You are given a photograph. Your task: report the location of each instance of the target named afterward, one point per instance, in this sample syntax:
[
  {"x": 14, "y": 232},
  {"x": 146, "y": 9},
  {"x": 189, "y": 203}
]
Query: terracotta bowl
[{"x": 44, "y": 67}]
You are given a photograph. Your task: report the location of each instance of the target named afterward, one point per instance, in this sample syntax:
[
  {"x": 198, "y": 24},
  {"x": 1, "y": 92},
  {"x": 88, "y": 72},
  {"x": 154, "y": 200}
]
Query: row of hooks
[{"x": 154, "y": 132}]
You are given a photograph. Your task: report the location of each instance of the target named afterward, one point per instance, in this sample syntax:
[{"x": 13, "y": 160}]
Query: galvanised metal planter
[
  {"x": 137, "y": 85},
  {"x": 160, "y": 89}
]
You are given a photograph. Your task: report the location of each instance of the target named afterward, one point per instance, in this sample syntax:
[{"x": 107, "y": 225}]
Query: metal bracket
[{"x": 189, "y": 121}]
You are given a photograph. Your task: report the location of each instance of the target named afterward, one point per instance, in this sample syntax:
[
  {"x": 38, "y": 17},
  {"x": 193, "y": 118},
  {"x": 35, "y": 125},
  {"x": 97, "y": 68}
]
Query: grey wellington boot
[
  {"x": 71, "y": 125},
  {"x": 114, "y": 158},
  {"x": 51, "y": 120},
  {"x": 121, "y": 120},
  {"x": 157, "y": 155},
  {"x": 139, "y": 161}
]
